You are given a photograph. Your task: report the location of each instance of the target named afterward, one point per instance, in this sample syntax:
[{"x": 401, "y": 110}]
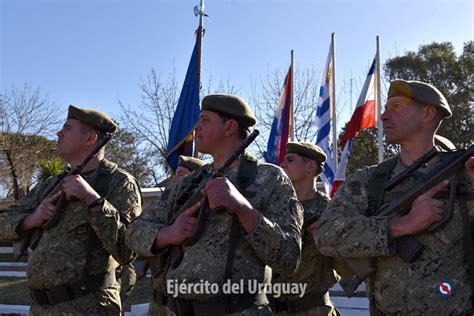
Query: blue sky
[{"x": 93, "y": 53}]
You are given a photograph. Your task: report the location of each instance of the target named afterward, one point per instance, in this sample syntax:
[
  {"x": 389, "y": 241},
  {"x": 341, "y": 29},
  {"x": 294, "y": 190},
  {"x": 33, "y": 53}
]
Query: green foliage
[
  {"x": 438, "y": 64},
  {"x": 125, "y": 150},
  {"x": 50, "y": 167}
]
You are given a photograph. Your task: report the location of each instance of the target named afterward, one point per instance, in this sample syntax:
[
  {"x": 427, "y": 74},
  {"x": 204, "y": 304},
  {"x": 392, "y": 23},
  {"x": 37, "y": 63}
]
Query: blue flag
[{"x": 180, "y": 139}]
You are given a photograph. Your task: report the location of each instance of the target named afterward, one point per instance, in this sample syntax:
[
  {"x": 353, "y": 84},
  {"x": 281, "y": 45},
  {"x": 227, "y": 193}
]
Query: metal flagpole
[
  {"x": 378, "y": 103},
  {"x": 333, "y": 101},
  {"x": 292, "y": 130},
  {"x": 199, "y": 11}
]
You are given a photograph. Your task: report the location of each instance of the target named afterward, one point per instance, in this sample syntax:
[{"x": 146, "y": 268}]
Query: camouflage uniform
[
  {"x": 82, "y": 243},
  {"x": 315, "y": 270},
  {"x": 275, "y": 242},
  {"x": 397, "y": 287}
]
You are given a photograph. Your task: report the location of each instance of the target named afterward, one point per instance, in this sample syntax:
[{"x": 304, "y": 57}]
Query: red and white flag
[{"x": 364, "y": 116}]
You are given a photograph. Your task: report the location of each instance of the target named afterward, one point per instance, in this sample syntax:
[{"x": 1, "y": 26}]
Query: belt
[
  {"x": 227, "y": 304},
  {"x": 307, "y": 302},
  {"x": 72, "y": 291}
]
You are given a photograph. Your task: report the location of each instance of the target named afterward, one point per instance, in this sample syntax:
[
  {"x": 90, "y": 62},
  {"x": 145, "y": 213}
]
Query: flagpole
[
  {"x": 199, "y": 34},
  {"x": 292, "y": 131},
  {"x": 378, "y": 103},
  {"x": 333, "y": 100}
]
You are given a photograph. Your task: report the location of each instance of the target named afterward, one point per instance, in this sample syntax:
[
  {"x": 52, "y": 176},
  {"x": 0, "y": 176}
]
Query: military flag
[{"x": 282, "y": 126}]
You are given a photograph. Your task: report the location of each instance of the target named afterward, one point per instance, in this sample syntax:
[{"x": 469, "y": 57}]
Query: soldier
[
  {"x": 72, "y": 268},
  {"x": 436, "y": 282},
  {"x": 261, "y": 226},
  {"x": 186, "y": 165},
  {"x": 303, "y": 163}
]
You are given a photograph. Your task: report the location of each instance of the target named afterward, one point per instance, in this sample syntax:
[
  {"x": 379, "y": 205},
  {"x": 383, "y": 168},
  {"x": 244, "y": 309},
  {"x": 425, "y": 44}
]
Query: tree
[
  {"x": 27, "y": 120},
  {"x": 150, "y": 120},
  {"x": 306, "y": 88},
  {"x": 124, "y": 150},
  {"x": 50, "y": 167},
  {"x": 437, "y": 63}
]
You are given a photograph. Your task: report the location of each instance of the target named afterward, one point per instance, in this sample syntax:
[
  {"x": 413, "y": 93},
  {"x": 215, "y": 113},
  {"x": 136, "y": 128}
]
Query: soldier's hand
[
  {"x": 470, "y": 168},
  {"x": 222, "y": 193},
  {"x": 181, "y": 229},
  {"x": 424, "y": 211},
  {"x": 76, "y": 186},
  {"x": 44, "y": 212}
]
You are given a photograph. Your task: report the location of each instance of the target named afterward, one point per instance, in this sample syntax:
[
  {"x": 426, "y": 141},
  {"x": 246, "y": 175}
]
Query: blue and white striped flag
[{"x": 323, "y": 122}]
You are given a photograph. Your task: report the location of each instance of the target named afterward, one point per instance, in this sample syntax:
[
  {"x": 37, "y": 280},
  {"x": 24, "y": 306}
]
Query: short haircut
[
  {"x": 89, "y": 129},
  {"x": 243, "y": 131}
]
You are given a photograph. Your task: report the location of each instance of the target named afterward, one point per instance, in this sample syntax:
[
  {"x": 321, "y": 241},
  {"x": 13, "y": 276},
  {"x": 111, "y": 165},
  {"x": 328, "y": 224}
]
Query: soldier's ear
[
  {"x": 430, "y": 113},
  {"x": 232, "y": 127},
  {"x": 312, "y": 166},
  {"x": 92, "y": 138}
]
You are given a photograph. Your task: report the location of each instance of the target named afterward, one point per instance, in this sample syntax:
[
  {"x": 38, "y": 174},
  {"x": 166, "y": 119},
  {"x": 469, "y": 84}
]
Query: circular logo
[{"x": 444, "y": 288}]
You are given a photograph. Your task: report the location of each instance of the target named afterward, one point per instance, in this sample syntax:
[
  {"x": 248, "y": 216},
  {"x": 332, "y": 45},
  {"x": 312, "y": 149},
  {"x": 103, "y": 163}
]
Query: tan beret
[
  {"x": 307, "y": 150},
  {"x": 421, "y": 92},
  {"x": 444, "y": 143},
  {"x": 190, "y": 163},
  {"x": 230, "y": 105},
  {"x": 93, "y": 118}
]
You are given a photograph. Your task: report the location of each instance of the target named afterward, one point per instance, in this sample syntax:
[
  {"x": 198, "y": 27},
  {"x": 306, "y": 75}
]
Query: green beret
[
  {"x": 307, "y": 150},
  {"x": 230, "y": 105},
  {"x": 421, "y": 92},
  {"x": 444, "y": 143},
  {"x": 93, "y": 118},
  {"x": 190, "y": 163}
]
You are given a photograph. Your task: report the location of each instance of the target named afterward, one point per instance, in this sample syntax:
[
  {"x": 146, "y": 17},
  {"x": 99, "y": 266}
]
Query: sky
[{"x": 93, "y": 53}]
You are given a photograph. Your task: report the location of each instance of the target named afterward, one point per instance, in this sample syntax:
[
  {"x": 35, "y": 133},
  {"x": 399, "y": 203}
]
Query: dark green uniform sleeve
[
  {"x": 122, "y": 205},
  {"x": 277, "y": 237},
  {"x": 345, "y": 231},
  {"x": 12, "y": 216},
  {"x": 141, "y": 233}
]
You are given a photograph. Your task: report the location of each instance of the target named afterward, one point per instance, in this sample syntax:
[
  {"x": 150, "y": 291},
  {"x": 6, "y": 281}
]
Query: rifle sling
[{"x": 246, "y": 175}]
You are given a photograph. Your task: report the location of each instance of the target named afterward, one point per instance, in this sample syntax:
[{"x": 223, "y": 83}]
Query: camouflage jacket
[
  {"x": 314, "y": 269},
  {"x": 398, "y": 287},
  {"x": 276, "y": 241},
  {"x": 61, "y": 254}
]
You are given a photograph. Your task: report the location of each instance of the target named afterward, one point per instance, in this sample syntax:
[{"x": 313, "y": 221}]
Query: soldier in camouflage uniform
[
  {"x": 261, "y": 227},
  {"x": 72, "y": 268},
  {"x": 186, "y": 165},
  {"x": 436, "y": 283},
  {"x": 303, "y": 163}
]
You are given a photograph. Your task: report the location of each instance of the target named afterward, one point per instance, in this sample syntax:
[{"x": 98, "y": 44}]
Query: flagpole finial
[{"x": 199, "y": 11}]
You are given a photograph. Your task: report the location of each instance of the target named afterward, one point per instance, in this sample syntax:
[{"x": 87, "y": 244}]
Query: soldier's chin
[{"x": 202, "y": 149}]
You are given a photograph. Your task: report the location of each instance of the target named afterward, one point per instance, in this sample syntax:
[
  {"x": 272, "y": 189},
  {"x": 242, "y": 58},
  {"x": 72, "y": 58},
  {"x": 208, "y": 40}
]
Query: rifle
[
  {"x": 31, "y": 240},
  {"x": 202, "y": 180},
  {"x": 407, "y": 247}
]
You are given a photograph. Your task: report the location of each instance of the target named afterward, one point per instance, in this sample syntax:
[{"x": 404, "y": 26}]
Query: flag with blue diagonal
[
  {"x": 323, "y": 123},
  {"x": 180, "y": 140},
  {"x": 282, "y": 126}
]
